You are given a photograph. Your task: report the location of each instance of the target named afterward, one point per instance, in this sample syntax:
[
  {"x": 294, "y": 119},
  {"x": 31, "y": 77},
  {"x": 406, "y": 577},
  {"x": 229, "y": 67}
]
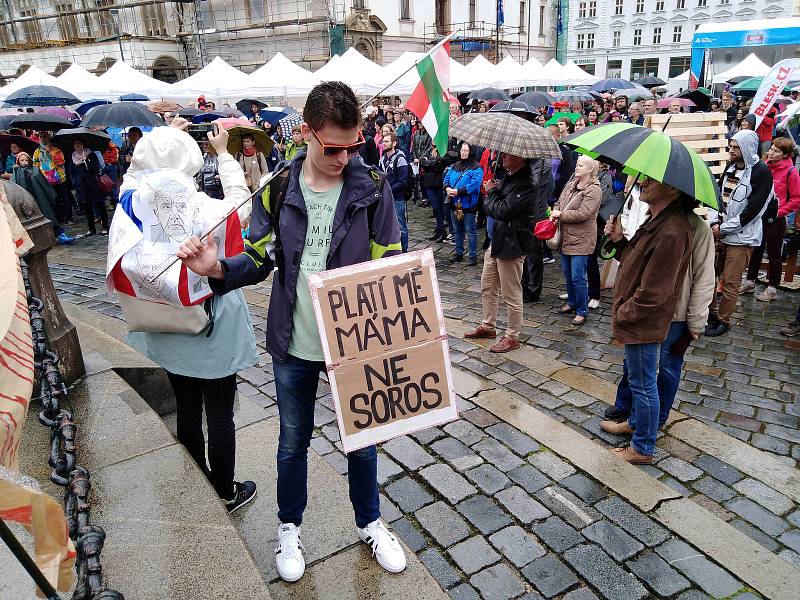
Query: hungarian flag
[{"x": 429, "y": 100}]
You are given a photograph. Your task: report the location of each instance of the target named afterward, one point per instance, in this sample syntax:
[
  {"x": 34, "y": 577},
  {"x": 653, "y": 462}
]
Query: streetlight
[{"x": 115, "y": 14}]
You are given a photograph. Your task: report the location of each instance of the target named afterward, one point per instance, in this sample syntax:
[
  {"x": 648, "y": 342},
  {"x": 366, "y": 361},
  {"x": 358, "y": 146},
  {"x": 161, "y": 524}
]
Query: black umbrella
[
  {"x": 738, "y": 79},
  {"x": 41, "y": 95},
  {"x": 5, "y": 121},
  {"x": 244, "y": 105},
  {"x": 488, "y": 94},
  {"x": 521, "y": 109},
  {"x": 41, "y": 122},
  {"x": 701, "y": 100},
  {"x": 121, "y": 114},
  {"x": 188, "y": 113},
  {"x": 575, "y": 95},
  {"x": 650, "y": 82},
  {"x": 94, "y": 140},
  {"x": 536, "y": 99},
  {"x": 25, "y": 144}
]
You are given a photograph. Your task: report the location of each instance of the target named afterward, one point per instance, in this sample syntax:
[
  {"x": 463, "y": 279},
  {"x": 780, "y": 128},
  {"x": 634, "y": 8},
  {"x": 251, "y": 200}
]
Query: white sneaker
[
  {"x": 747, "y": 287},
  {"x": 564, "y": 296},
  {"x": 768, "y": 295},
  {"x": 385, "y": 546},
  {"x": 288, "y": 553},
  {"x": 594, "y": 303}
]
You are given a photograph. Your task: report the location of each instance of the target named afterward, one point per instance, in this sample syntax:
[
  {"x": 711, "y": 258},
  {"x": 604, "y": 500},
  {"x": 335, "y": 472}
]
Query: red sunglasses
[{"x": 336, "y": 150}]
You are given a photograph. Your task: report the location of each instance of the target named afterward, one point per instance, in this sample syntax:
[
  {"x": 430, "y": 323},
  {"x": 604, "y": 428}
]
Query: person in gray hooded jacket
[{"x": 746, "y": 186}]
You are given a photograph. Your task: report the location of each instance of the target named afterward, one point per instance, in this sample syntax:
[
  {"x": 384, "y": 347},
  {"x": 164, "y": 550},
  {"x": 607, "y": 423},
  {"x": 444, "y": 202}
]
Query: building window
[
  {"x": 639, "y": 6},
  {"x": 614, "y": 68},
  {"x": 588, "y": 67},
  {"x": 255, "y": 10},
  {"x": 678, "y": 65},
  {"x": 581, "y": 41},
  {"x": 616, "y": 38},
  {"x": 702, "y": 3},
  {"x": 154, "y": 20},
  {"x": 657, "y": 35},
  {"x": 582, "y": 10},
  {"x": 618, "y": 6},
  {"x": 67, "y": 23},
  {"x": 359, "y": 3},
  {"x": 33, "y": 32},
  {"x": 589, "y": 41},
  {"x": 724, "y": 1},
  {"x": 637, "y": 37},
  {"x": 592, "y": 9},
  {"x": 405, "y": 9},
  {"x": 677, "y": 30},
  {"x": 585, "y": 41},
  {"x": 473, "y": 12},
  {"x": 680, "y": 4},
  {"x": 643, "y": 67},
  {"x": 659, "y": 5},
  {"x": 522, "y": 8},
  {"x": 541, "y": 18}
]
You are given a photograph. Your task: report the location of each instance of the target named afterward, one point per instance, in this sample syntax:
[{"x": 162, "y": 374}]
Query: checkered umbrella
[
  {"x": 507, "y": 133},
  {"x": 285, "y": 124}
]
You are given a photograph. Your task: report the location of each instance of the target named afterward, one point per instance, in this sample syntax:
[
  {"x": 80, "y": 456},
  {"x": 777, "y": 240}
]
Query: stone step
[{"x": 167, "y": 534}]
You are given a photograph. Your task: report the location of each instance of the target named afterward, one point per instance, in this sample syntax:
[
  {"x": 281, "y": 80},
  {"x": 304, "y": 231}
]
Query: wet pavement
[{"x": 492, "y": 511}]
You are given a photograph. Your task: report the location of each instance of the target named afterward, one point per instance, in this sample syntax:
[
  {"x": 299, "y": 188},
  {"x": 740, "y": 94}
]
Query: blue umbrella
[
  {"x": 273, "y": 115},
  {"x": 612, "y": 83},
  {"x": 286, "y": 124},
  {"x": 134, "y": 97},
  {"x": 41, "y": 95},
  {"x": 85, "y": 107}
]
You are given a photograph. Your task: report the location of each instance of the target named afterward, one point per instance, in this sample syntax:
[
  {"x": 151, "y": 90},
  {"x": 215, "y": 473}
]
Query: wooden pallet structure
[{"x": 702, "y": 132}]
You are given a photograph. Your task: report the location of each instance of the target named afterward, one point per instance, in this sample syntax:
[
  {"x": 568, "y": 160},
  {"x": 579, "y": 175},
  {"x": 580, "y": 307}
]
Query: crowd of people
[{"x": 665, "y": 296}]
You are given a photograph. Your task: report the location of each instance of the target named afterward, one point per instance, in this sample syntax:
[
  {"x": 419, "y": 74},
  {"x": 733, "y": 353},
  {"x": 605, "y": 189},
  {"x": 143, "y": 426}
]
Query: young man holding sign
[{"x": 336, "y": 212}]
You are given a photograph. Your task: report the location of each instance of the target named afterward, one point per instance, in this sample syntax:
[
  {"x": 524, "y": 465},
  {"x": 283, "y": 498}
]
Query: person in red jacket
[
  {"x": 765, "y": 129},
  {"x": 786, "y": 183}
]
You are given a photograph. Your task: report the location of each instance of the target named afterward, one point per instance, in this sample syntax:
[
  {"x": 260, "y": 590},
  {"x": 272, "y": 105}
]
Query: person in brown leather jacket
[{"x": 653, "y": 267}]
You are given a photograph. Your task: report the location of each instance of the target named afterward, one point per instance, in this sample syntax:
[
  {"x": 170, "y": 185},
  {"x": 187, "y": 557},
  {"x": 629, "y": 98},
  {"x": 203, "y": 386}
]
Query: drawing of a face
[{"x": 175, "y": 209}]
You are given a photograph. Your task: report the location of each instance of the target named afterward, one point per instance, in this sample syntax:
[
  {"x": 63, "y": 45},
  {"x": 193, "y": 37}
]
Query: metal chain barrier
[{"x": 66, "y": 472}]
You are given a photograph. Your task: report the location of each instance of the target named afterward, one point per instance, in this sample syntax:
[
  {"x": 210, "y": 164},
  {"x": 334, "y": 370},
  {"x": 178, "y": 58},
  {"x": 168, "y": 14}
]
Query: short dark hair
[{"x": 332, "y": 102}]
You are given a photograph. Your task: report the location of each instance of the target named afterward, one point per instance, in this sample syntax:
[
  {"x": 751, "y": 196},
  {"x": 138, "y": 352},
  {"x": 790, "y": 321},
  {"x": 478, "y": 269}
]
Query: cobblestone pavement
[{"x": 493, "y": 513}]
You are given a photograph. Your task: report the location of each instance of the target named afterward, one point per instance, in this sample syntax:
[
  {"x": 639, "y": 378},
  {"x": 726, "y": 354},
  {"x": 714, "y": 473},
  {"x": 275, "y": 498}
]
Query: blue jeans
[
  {"x": 296, "y": 386},
  {"x": 466, "y": 225},
  {"x": 669, "y": 375},
  {"x": 400, "y": 211},
  {"x": 574, "y": 269},
  {"x": 641, "y": 361},
  {"x": 434, "y": 195}
]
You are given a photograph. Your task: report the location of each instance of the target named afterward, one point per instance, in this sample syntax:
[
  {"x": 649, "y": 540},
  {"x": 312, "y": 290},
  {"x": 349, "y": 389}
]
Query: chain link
[{"x": 66, "y": 472}]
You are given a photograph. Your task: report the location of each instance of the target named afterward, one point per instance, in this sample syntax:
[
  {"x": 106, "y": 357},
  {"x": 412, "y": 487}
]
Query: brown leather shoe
[
  {"x": 506, "y": 344},
  {"x": 481, "y": 331},
  {"x": 632, "y": 456},
  {"x": 617, "y": 428}
]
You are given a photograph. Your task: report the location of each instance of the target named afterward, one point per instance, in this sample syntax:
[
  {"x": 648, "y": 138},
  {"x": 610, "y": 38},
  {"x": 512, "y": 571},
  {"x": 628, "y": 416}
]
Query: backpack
[
  {"x": 408, "y": 192},
  {"x": 277, "y": 195}
]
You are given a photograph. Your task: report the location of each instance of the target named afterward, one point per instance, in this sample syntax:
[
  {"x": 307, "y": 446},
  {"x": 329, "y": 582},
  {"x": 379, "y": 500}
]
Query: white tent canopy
[
  {"x": 123, "y": 79},
  {"x": 79, "y": 81},
  {"x": 281, "y": 77},
  {"x": 551, "y": 74},
  {"x": 675, "y": 84},
  {"x": 408, "y": 82},
  {"x": 33, "y": 76},
  {"x": 510, "y": 73},
  {"x": 752, "y": 66},
  {"x": 359, "y": 72},
  {"x": 478, "y": 74},
  {"x": 577, "y": 76},
  {"x": 217, "y": 80}
]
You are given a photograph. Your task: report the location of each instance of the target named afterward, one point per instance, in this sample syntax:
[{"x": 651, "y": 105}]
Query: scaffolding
[{"x": 180, "y": 36}]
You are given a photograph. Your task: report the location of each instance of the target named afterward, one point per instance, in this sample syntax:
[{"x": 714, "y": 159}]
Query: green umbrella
[
  {"x": 650, "y": 153},
  {"x": 556, "y": 116},
  {"x": 748, "y": 85}
]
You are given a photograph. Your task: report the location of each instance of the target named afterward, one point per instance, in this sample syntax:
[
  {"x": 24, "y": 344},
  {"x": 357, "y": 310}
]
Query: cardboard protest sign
[{"x": 385, "y": 346}]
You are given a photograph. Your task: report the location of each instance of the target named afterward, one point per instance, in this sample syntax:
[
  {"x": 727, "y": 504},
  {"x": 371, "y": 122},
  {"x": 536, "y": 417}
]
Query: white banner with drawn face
[{"x": 155, "y": 216}]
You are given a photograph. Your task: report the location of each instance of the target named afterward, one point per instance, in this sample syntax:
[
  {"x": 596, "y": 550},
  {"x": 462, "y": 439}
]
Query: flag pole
[
  {"x": 419, "y": 60},
  {"x": 272, "y": 176}
]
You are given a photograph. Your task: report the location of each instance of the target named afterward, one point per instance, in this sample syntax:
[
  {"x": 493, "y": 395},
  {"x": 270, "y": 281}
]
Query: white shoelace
[
  {"x": 379, "y": 534},
  {"x": 288, "y": 543}
]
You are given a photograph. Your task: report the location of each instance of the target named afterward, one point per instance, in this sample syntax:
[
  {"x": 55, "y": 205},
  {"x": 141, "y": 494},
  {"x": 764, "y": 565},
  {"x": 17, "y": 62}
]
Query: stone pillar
[{"x": 60, "y": 331}]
